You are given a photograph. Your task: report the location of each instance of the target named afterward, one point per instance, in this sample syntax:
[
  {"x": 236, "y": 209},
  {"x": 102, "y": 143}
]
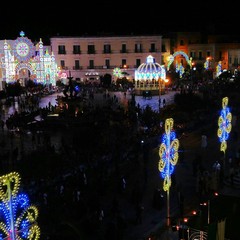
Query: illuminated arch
[
  {"x": 21, "y": 55},
  {"x": 27, "y": 66},
  {"x": 171, "y": 58}
]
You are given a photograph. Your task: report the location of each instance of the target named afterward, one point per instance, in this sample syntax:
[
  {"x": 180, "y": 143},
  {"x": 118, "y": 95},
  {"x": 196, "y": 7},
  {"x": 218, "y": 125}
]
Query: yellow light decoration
[
  {"x": 34, "y": 232},
  {"x": 12, "y": 178},
  {"x": 168, "y": 153},
  {"x": 16, "y": 227},
  {"x": 224, "y": 124}
]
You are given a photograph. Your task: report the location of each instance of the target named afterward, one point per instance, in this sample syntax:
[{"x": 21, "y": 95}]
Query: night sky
[{"x": 113, "y": 17}]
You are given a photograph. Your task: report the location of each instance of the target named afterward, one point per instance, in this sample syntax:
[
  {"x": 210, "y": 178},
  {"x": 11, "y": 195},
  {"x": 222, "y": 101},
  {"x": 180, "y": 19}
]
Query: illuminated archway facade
[
  {"x": 22, "y": 54},
  {"x": 179, "y": 67}
]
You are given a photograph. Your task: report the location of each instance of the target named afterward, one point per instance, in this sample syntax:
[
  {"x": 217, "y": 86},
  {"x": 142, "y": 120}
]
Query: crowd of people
[{"x": 82, "y": 174}]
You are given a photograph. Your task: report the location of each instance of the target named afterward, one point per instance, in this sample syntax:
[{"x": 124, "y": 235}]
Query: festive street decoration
[
  {"x": 168, "y": 153},
  {"x": 117, "y": 72},
  {"x": 17, "y": 216},
  {"x": 149, "y": 76},
  {"x": 224, "y": 124},
  {"x": 21, "y": 54},
  {"x": 219, "y": 68}
]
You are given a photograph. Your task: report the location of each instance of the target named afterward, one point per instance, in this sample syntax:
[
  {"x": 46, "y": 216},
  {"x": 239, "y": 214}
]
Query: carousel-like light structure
[
  {"x": 224, "y": 124},
  {"x": 18, "y": 217},
  {"x": 168, "y": 153},
  {"x": 149, "y": 75}
]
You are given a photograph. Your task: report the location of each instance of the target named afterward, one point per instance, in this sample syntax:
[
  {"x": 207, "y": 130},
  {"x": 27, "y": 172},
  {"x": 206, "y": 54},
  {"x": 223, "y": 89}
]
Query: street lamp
[
  {"x": 159, "y": 93},
  {"x": 168, "y": 153},
  {"x": 208, "y": 204}
]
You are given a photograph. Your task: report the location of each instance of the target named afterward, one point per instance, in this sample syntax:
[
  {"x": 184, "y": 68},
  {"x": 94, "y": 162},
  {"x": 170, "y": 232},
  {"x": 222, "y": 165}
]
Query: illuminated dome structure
[{"x": 150, "y": 76}]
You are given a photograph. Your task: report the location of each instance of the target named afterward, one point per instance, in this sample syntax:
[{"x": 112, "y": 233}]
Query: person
[
  {"x": 204, "y": 141},
  {"x": 164, "y": 102},
  {"x": 2, "y": 124},
  {"x": 159, "y": 102}
]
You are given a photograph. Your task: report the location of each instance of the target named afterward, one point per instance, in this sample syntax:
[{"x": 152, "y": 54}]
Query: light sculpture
[
  {"x": 224, "y": 125},
  {"x": 17, "y": 216},
  {"x": 117, "y": 72},
  {"x": 168, "y": 153}
]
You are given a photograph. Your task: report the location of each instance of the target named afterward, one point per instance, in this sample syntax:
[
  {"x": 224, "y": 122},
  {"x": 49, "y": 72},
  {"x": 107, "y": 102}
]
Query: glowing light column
[
  {"x": 168, "y": 153},
  {"x": 19, "y": 217},
  {"x": 224, "y": 126}
]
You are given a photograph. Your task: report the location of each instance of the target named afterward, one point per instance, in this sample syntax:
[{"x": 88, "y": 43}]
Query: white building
[{"x": 89, "y": 57}]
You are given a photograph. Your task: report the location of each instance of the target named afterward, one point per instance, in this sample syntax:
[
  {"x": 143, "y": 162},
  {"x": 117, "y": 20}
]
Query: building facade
[{"x": 88, "y": 58}]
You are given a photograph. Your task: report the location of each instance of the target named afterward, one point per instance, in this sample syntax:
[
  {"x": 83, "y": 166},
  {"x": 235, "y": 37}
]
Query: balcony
[
  {"x": 107, "y": 51},
  {"x": 124, "y": 51},
  {"x": 77, "y": 68},
  {"x": 76, "y": 52},
  {"x": 61, "y": 52},
  {"x": 91, "y": 52}
]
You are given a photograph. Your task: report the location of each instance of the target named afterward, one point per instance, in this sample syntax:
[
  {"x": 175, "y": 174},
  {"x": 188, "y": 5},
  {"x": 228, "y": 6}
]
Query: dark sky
[{"x": 104, "y": 17}]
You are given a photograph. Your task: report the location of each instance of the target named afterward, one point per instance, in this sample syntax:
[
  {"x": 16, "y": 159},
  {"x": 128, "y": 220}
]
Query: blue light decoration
[
  {"x": 179, "y": 69},
  {"x": 224, "y": 124},
  {"x": 219, "y": 68},
  {"x": 172, "y": 57},
  {"x": 17, "y": 216},
  {"x": 168, "y": 153},
  {"x": 207, "y": 64}
]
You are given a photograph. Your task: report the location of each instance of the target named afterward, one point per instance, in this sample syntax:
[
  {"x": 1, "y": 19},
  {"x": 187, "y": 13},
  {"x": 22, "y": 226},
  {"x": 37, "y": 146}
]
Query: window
[
  {"x": 91, "y": 49},
  {"x": 61, "y": 49},
  {"x": 138, "y": 48},
  {"x": 107, "y": 48},
  {"x": 181, "y": 43},
  {"x": 230, "y": 60},
  {"x": 192, "y": 54},
  {"x": 124, "y": 48},
  {"x": 124, "y": 62},
  {"x": 107, "y": 63},
  {"x": 235, "y": 61},
  {"x": 62, "y": 64},
  {"x": 77, "y": 64},
  {"x": 220, "y": 55},
  {"x": 164, "y": 48},
  {"x": 138, "y": 62},
  {"x": 200, "y": 55},
  {"x": 91, "y": 64},
  {"x": 76, "y": 49},
  {"x": 208, "y": 53},
  {"x": 153, "y": 47}
]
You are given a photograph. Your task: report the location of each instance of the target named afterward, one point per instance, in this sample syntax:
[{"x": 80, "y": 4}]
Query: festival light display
[
  {"x": 168, "y": 153},
  {"x": 219, "y": 68},
  {"x": 17, "y": 216},
  {"x": 150, "y": 70},
  {"x": 224, "y": 124},
  {"x": 23, "y": 54},
  {"x": 117, "y": 72}
]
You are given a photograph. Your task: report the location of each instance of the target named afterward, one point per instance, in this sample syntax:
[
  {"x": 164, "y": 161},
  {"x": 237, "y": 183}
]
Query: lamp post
[
  {"x": 168, "y": 153},
  {"x": 159, "y": 94}
]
